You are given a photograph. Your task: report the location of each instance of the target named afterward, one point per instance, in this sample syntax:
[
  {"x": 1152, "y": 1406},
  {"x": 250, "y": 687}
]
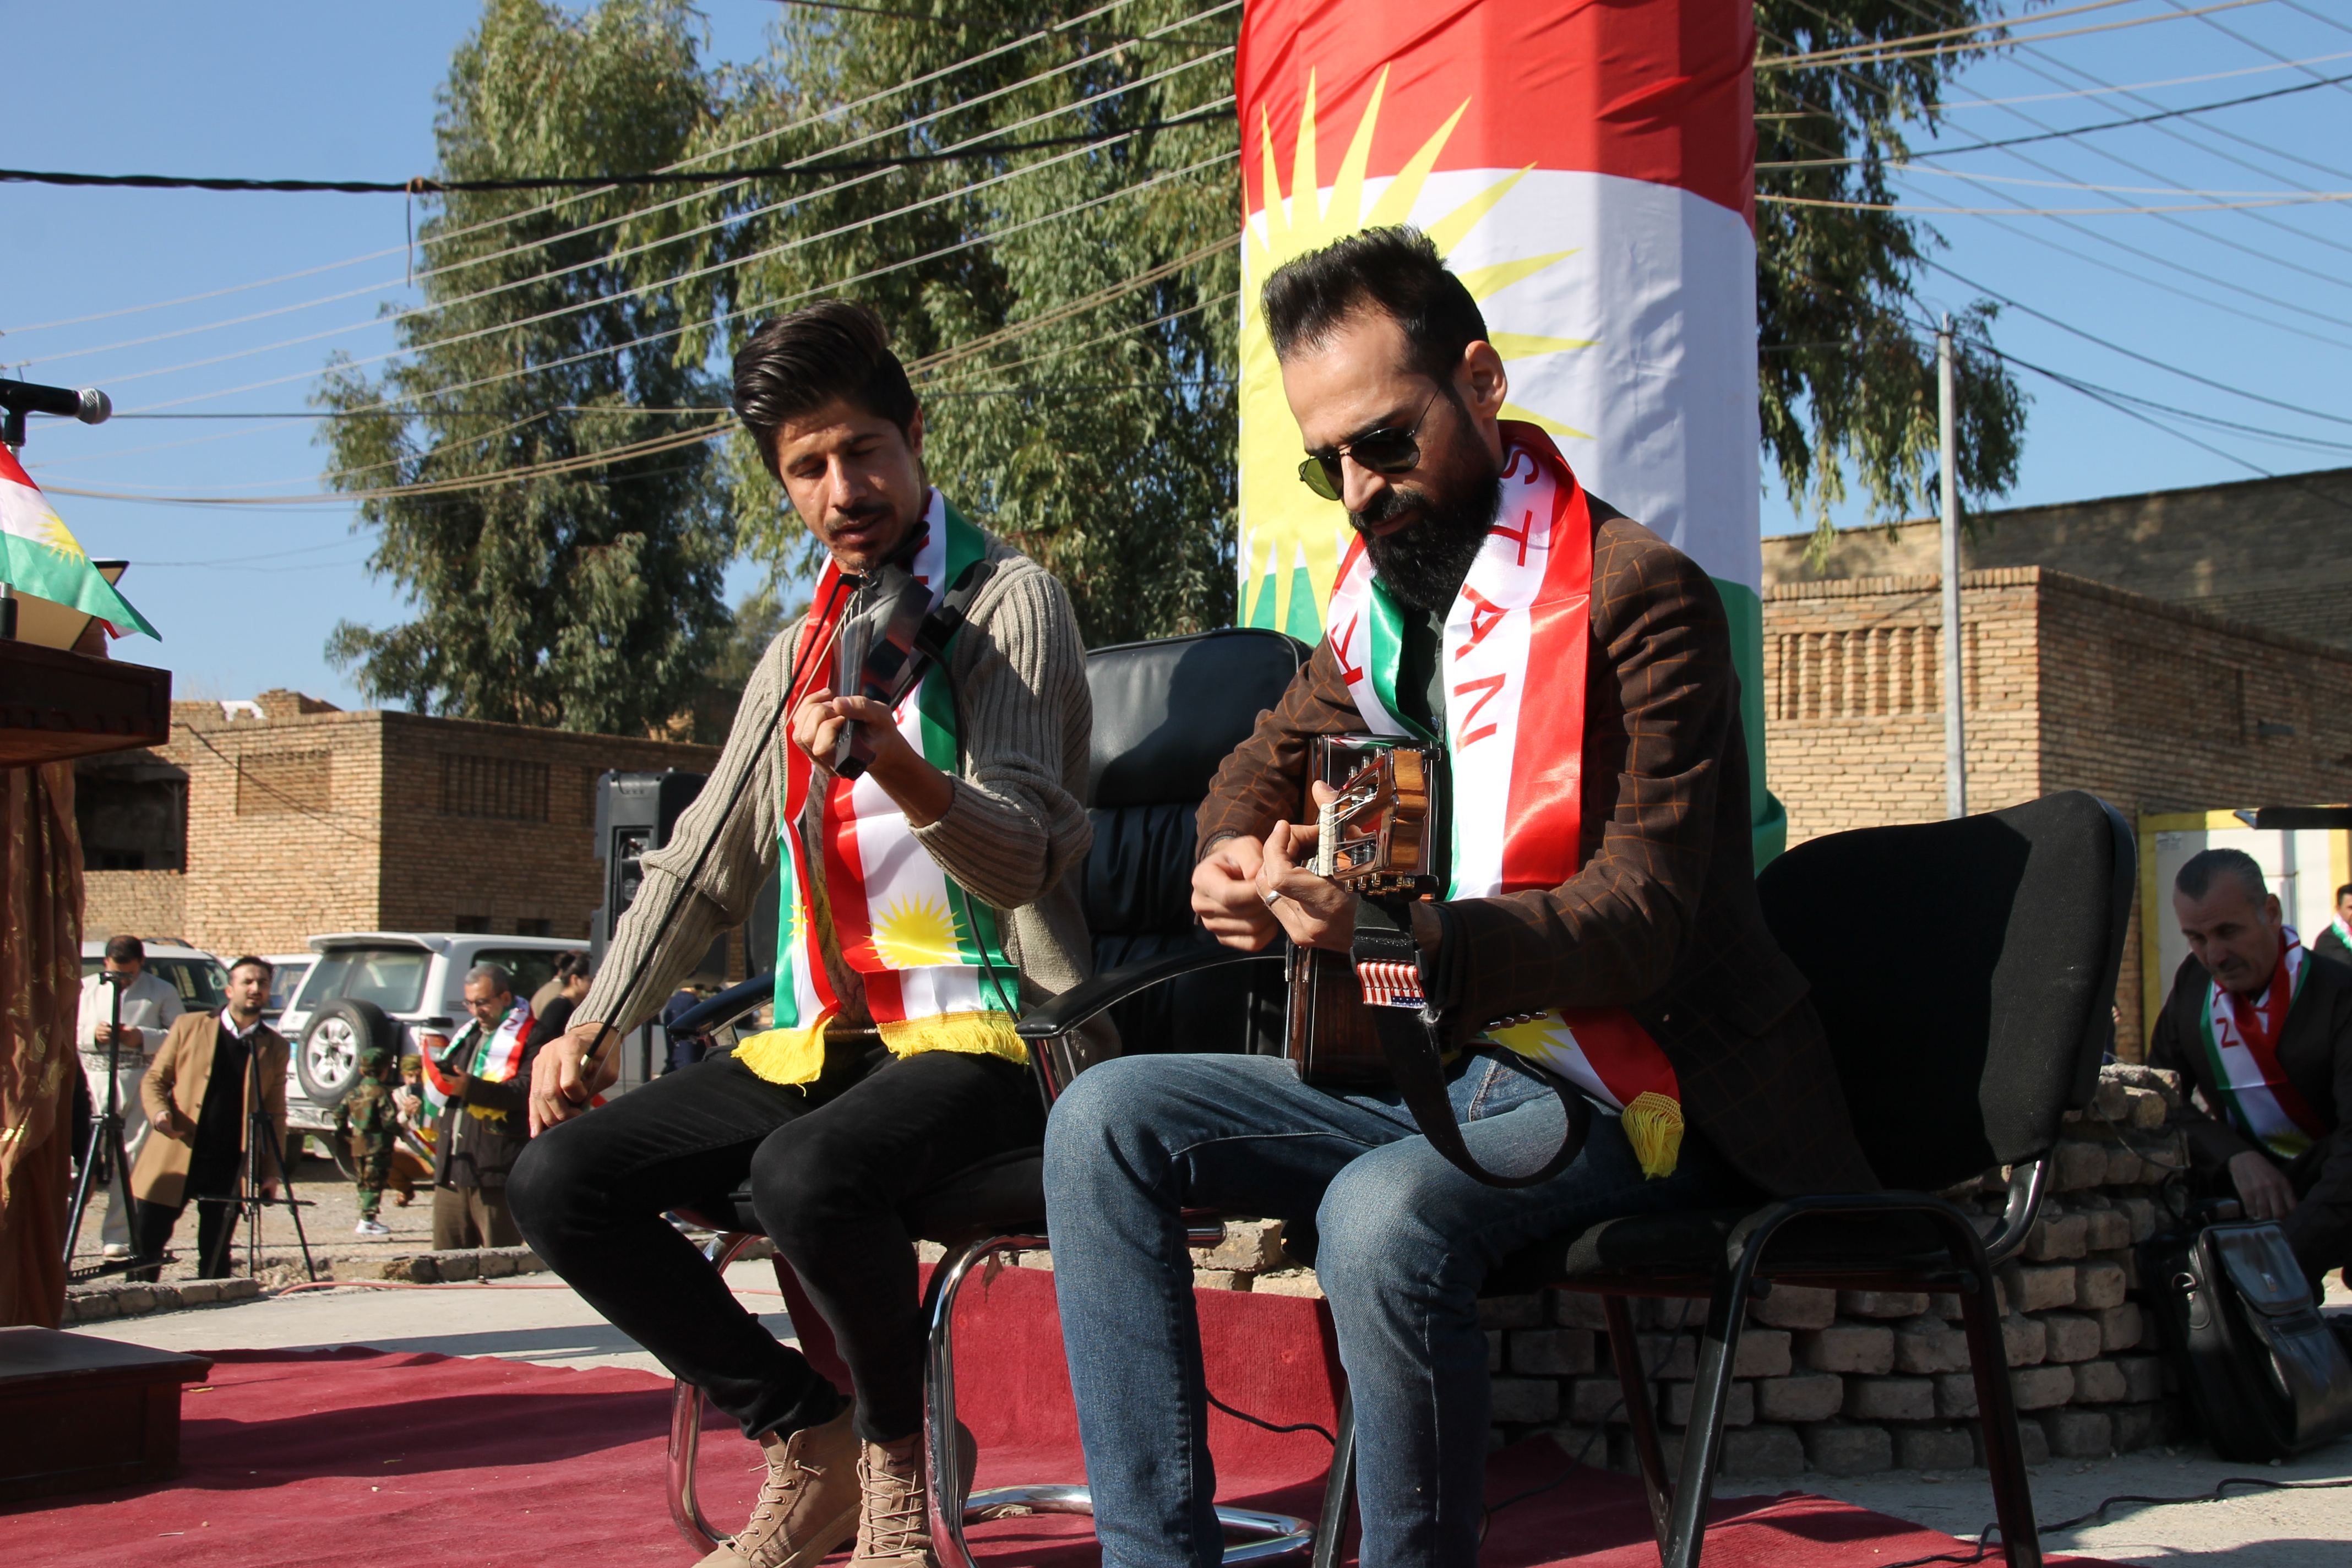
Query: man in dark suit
[
  {"x": 1604, "y": 930},
  {"x": 2263, "y": 1034},
  {"x": 198, "y": 1095},
  {"x": 2336, "y": 942}
]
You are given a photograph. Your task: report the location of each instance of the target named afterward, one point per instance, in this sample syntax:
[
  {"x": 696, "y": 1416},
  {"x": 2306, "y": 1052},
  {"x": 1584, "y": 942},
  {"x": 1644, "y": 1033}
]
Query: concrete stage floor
[{"x": 536, "y": 1319}]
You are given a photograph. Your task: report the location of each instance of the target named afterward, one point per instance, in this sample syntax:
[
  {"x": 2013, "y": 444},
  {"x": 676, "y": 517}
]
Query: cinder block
[
  {"x": 1807, "y": 1396},
  {"x": 2125, "y": 1169},
  {"x": 2079, "y": 1433},
  {"x": 1881, "y": 1303},
  {"x": 1926, "y": 1345},
  {"x": 2142, "y": 1213},
  {"x": 1668, "y": 1313},
  {"x": 458, "y": 1266},
  {"x": 2099, "y": 1284},
  {"x": 2099, "y": 1383},
  {"x": 2135, "y": 1426},
  {"x": 2107, "y": 1229},
  {"x": 199, "y": 1292},
  {"x": 1955, "y": 1396},
  {"x": 2032, "y": 1289},
  {"x": 1934, "y": 1448},
  {"x": 243, "y": 1289},
  {"x": 1510, "y": 1312},
  {"x": 1577, "y": 1310},
  {"x": 2041, "y": 1387},
  {"x": 94, "y": 1307},
  {"x": 2069, "y": 1336},
  {"x": 1738, "y": 1405},
  {"x": 2079, "y": 1165},
  {"x": 1847, "y": 1347},
  {"x": 1596, "y": 1401},
  {"x": 2121, "y": 1327},
  {"x": 1667, "y": 1357},
  {"x": 1288, "y": 1282},
  {"x": 1525, "y": 1399},
  {"x": 1946, "y": 1304},
  {"x": 1250, "y": 1247},
  {"x": 1763, "y": 1353},
  {"x": 1220, "y": 1280},
  {"x": 2143, "y": 1377},
  {"x": 2031, "y": 1441},
  {"x": 1551, "y": 1352},
  {"x": 1795, "y": 1307},
  {"x": 1763, "y": 1451},
  {"x": 2109, "y": 1101},
  {"x": 134, "y": 1300},
  {"x": 2023, "y": 1340},
  {"x": 1890, "y": 1398},
  {"x": 2053, "y": 1238},
  {"x": 1842, "y": 1450},
  {"x": 2146, "y": 1108}
]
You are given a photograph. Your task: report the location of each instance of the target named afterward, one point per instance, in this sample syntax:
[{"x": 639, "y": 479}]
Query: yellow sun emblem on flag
[
  {"x": 915, "y": 932},
  {"x": 49, "y": 530},
  {"x": 1291, "y": 541}
]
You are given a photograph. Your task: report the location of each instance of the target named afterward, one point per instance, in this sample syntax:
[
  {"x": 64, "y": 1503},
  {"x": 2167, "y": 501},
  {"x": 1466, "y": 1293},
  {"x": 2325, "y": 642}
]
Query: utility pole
[{"x": 1956, "y": 760}]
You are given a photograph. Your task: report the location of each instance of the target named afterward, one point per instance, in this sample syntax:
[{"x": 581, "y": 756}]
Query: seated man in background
[
  {"x": 926, "y": 907},
  {"x": 485, "y": 1072},
  {"x": 198, "y": 1095},
  {"x": 2263, "y": 1034},
  {"x": 2336, "y": 942},
  {"x": 1602, "y": 864}
]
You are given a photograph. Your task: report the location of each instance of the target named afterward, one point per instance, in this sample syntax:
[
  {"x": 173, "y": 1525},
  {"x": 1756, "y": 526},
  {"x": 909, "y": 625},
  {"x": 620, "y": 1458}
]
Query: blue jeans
[{"x": 1402, "y": 1243}]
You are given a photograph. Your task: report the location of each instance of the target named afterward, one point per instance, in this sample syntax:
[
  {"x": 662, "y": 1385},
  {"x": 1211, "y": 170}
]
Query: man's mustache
[{"x": 1397, "y": 500}]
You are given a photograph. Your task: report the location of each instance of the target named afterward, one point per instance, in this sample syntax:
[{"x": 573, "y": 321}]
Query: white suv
[{"x": 381, "y": 986}]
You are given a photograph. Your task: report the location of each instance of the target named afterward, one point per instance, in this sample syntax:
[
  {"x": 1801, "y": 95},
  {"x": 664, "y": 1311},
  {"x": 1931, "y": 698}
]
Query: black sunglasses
[{"x": 1387, "y": 450}]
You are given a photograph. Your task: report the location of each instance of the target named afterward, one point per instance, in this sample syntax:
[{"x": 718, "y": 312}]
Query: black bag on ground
[{"x": 2267, "y": 1378}]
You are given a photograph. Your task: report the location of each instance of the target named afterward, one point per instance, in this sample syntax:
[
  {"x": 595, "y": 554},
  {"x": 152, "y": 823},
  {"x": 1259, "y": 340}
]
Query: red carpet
[{"x": 295, "y": 1459}]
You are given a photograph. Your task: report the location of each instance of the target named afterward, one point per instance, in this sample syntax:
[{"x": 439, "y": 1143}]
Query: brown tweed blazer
[{"x": 1662, "y": 918}]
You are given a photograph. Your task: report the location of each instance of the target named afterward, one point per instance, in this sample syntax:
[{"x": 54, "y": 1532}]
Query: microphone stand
[
  {"x": 260, "y": 1138},
  {"x": 104, "y": 1149}
]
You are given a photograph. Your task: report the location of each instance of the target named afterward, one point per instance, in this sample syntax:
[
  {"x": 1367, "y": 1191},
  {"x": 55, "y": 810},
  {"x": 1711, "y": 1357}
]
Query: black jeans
[{"x": 830, "y": 1165}]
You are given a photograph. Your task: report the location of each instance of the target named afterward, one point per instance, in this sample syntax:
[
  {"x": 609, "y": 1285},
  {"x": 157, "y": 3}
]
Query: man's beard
[{"x": 1423, "y": 564}]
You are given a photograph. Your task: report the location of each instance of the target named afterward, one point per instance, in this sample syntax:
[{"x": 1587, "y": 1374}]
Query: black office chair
[
  {"x": 1963, "y": 1033},
  {"x": 1166, "y": 713}
]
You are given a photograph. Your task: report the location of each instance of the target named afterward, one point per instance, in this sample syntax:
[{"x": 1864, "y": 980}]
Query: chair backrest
[
  {"x": 1166, "y": 713},
  {"x": 1964, "y": 971}
]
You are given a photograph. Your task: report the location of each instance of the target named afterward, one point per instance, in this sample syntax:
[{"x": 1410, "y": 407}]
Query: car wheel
[{"x": 328, "y": 1061}]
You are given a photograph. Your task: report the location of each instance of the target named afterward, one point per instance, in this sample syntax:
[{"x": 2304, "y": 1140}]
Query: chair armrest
[
  {"x": 1080, "y": 1003},
  {"x": 725, "y": 1007},
  {"x": 2027, "y": 1183}
]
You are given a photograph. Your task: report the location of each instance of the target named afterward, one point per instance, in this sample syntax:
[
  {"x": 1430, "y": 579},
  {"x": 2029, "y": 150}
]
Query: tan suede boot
[
  {"x": 808, "y": 1504},
  {"x": 894, "y": 1523}
]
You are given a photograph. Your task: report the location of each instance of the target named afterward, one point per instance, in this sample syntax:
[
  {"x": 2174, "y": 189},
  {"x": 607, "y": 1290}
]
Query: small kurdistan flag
[{"x": 39, "y": 555}]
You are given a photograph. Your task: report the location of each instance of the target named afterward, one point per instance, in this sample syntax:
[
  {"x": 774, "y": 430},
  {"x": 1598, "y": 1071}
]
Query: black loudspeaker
[{"x": 636, "y": 814}]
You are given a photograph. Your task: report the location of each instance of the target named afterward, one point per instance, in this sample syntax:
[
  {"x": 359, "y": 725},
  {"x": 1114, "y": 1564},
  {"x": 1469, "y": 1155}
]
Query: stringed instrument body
[{"x": 1385, "y": 837}]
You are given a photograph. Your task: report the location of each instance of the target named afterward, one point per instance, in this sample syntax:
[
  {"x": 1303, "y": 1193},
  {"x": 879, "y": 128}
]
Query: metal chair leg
[
  {"x": 1703, "y": 1436},
  {"x": 1264, "y": 1535},
  {"x": 1338, "y": 1486},
  {"x": 685, "y": 1421},
  {"x": 2012, "y": 1492},
  {"x": 1640, "y": 1412}
]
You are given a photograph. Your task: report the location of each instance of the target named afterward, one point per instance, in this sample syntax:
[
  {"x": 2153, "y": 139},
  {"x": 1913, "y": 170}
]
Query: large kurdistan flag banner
[{"x": 1588, "y": 170}]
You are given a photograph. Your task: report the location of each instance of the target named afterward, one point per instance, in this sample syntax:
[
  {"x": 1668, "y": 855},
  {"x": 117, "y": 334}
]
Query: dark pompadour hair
[
  {"x": 2196, "y": 875},
  {"x": 833, "y": 349},
  {"x": 1396, "y": 271},
  {"x": 268, "y": 969}
]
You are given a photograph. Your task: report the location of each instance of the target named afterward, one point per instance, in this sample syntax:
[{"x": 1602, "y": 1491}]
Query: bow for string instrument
[{"x": 1356, "y": 1021}]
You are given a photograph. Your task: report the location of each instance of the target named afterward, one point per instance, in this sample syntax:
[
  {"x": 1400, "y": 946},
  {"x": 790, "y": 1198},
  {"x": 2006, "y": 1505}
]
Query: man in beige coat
[{"x": 197, "y": 1096}]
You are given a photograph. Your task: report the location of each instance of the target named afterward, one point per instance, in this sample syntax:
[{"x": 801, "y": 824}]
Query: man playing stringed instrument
[{"x": 1598, "y": 933}]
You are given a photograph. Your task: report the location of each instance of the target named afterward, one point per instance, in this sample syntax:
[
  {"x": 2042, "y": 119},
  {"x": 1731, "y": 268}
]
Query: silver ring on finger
[{"x": 1272, "y": 897}]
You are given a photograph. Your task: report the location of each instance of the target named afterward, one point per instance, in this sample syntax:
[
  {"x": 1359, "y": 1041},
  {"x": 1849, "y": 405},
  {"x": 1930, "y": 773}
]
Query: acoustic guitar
[{"x": 1384, "y": 836}]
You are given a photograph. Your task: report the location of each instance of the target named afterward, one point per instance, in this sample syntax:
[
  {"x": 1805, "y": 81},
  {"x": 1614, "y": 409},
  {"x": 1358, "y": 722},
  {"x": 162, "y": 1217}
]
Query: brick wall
[
  {"x": 2267, "y": 552},
  {"x": 302, "y": 819},
  {"x": 144, "y": 904},
  {"x": 2070, "y": 684}
]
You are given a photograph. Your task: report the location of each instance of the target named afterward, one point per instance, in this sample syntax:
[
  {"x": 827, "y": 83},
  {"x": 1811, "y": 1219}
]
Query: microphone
[{"x": 88, "y": 405}]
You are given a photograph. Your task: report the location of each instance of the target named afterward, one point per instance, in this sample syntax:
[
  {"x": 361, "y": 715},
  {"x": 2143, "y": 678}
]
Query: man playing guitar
[{"x": 1596, "y": 930}]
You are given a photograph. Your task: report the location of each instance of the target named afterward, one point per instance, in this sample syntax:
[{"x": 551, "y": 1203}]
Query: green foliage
[
  {"x": 585, "y": 592},
  {"x": 1089, "y": 421},
  {"x": 1846, "y": 355}
]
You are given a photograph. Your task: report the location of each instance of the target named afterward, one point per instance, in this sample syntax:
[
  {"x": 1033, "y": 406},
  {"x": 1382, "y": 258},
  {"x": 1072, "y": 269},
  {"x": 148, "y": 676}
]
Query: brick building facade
[
  {"x": 2067, "y": 684},
  {"x": 263, "y": 823}
]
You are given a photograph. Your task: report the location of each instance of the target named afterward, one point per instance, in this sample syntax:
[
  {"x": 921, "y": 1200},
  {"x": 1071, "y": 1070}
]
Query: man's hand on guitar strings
[
  {"x": 559, "y": 1087},
  {"x": 1226, "y": 895},
  {"x": 1315, "y": 911}
]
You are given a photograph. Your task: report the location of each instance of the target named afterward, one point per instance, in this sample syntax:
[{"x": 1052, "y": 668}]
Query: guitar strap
[{"x": 1411, "y": 1039}]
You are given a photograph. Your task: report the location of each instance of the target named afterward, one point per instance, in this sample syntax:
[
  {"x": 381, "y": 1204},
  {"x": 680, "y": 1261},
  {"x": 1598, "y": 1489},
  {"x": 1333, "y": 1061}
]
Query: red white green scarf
[
  {"x": 2241, "y": 1040},
  {"x": 913, "y": 936},
  {"x": 498, "y": 1056},
  {"x": 1523, "y": 613}
]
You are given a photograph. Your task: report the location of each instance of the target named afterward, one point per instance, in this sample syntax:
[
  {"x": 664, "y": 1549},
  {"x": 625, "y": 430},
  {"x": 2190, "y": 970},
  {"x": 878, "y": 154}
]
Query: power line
[
  {"x": 421, "y": 186},
  {"x": 2142, "y": 86},
  {"x": 1873, "y": 54}
]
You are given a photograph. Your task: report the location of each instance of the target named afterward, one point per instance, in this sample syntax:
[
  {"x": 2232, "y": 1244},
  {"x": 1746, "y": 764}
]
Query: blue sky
[{"x": 2254, "y": 299}]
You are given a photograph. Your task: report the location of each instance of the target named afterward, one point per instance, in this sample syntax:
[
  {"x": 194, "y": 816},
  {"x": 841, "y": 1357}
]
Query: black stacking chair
[
  {"x": 1166, "y": 713},
  {"x": 1963, "y": 1033}
]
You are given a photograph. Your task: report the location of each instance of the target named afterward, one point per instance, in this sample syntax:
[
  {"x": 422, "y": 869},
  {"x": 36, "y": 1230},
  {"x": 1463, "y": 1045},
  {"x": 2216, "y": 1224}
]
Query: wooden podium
[
  {"x": 77, "y": 1414},
  {"x": 56, "y": 704}
]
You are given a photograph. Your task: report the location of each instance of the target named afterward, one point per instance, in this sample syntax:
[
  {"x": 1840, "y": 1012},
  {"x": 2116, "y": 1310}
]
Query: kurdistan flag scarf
[
  {"x": 497, "y": 1057},
  {"x": 930, "y": 955},
  {"x": 2241, "y": 1039},
  {"x": 1522, "y": 613}
]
